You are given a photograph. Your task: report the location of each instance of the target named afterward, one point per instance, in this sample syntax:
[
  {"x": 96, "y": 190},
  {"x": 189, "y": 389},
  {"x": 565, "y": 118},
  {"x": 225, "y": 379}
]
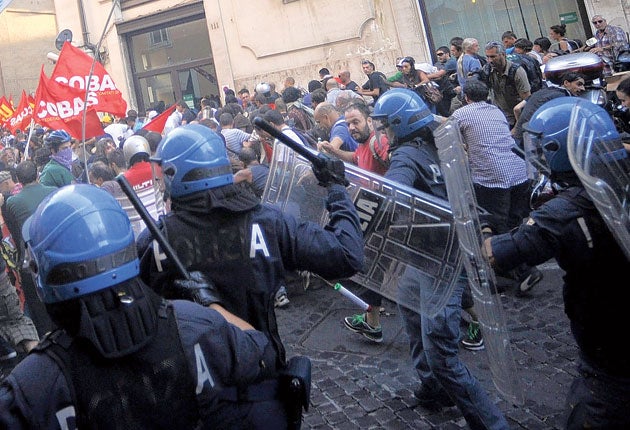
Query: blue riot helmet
[
  {"x": 80, "y": 241},
  {"x": 193, "y": 158},
  {"x": 403, "y": 111},
  {"x": 56, "y": 138},
  {"x": 546, "y": 133}
]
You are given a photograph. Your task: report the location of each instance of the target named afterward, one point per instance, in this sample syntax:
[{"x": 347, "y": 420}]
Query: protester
[
  {"x": 17, "y": 209},
  {"x": 372, "y": 154},
  {"x": 611, "y": 41},
  {"x": 57, "y": 172},
  {"x": 143, "y": 181}
]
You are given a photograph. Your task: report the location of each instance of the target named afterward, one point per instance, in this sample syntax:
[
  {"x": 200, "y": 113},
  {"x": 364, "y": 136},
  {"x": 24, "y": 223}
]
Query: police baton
[
  {"x": 151, "y": 225},
  {"x": 320, "y": 162},
  {"x": 297, "y": 147}
]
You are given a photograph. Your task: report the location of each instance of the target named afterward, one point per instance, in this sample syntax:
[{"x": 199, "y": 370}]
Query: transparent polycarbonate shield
[
  {"x": 403, "y": 228},
  {"x": 534, "y": 159},
  {"x": 600, "y": 160},
  {"x": 455, "y": 168}
]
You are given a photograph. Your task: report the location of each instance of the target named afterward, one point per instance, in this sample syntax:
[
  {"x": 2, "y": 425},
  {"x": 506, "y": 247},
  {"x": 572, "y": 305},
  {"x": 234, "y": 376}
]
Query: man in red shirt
[
  {"x": 371, "y": 154},
  {"x": 140, "y": 176}
]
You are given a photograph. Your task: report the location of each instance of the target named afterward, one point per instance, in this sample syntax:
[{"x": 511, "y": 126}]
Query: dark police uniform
[
  {"x": 434, "y": 340},
  {"x": 178, "y": 381},
  {"x": 246, "y": 254},
  {"x": 416, "y": 164},
  {"x": 570, "y": 229}
]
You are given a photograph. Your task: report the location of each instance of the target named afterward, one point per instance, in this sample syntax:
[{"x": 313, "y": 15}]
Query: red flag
[
  {"x": 6, "y": 109},
  {"x": 157, "y": 124},
  {"x": 22, "y": 116},
  {"x": 73, "y": 69},
  {"x": 59, "y": 106}
]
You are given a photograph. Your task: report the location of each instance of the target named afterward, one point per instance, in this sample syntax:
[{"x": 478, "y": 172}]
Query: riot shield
[
  {"x": 602, "y": 164},
  {"x": 456, "y": 172},
  {"x": 402, "y": 227}
]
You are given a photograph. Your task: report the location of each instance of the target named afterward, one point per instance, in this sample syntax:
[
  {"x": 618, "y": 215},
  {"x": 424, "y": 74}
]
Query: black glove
[
  {"x": 197, "y": 289},
  {"x": 329, "y": 171}
]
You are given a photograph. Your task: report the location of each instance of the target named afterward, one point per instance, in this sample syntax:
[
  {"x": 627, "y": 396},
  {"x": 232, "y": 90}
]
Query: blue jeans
[{"x": 434, "y": 347}]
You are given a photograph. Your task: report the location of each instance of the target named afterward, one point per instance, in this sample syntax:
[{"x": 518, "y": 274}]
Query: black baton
[
  {"x": 297, "y": 147},
  {"x": 151, "y": 225}
]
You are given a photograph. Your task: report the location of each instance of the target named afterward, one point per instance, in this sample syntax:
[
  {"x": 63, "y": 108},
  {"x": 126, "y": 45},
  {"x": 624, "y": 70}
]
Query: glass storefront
[{"x": 487, "y": 20}]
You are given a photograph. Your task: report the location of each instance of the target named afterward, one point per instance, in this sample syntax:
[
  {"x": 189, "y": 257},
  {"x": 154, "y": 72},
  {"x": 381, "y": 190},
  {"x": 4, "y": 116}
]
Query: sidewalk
[{"x": 362, "y": 385}]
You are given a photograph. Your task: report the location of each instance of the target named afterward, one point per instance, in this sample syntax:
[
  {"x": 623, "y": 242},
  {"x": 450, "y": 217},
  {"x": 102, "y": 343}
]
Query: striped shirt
[
  {"x": 487, "y": 137},
  {"x": 234, "y": 138}
]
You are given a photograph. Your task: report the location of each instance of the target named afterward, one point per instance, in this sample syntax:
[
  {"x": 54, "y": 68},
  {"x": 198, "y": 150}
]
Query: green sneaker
[
  {"x": 473, "y": 340},
  {"x": 358, "y": 324}
]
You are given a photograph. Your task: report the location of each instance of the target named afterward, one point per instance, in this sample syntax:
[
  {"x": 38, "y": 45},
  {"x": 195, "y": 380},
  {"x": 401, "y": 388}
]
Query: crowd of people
[{"x": 108, "y": 302}]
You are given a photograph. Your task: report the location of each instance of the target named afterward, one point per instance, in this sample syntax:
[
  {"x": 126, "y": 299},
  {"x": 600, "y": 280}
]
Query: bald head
[
  {"x": 326, "y": 114},
  {"x": 330, "y": 84}
]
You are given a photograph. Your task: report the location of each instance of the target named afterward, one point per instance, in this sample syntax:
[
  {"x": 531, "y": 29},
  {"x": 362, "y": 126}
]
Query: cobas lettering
[
  {"x": 92, "y": 83},
  {"x": 65, "y": 108}
]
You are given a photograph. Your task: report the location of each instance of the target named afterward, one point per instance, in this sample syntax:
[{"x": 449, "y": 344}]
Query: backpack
[
  {"x": 532, "y": 68},
  {"x": 483, "y": 60},
  {"x": 575, "y": 44}
]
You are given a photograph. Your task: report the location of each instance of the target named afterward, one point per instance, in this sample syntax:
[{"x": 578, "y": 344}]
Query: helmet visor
[
  {"x": 601, "y": 161},
  {"x": 158, "y": 176},
  {"x": 381, "y": 127},
  {"x": 534, "y": 157}
]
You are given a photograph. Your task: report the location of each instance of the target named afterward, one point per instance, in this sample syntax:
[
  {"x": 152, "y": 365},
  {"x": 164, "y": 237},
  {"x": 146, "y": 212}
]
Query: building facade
[
  {"x": 166, "y": 50},
  {"x": 27, "y": 33}
]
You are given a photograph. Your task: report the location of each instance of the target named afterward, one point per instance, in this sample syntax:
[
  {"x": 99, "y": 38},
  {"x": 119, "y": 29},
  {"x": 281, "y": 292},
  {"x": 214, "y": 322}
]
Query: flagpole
[
  {"x": 28, "y": 140},
  {"x": 87, "y": 91}
]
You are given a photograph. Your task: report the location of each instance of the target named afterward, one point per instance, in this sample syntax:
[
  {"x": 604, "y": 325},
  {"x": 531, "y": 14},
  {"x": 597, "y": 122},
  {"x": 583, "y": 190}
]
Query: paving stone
[{"x": 360, "y": 384}]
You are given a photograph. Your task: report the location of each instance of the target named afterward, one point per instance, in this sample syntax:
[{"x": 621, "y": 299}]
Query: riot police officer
[
  {"x": 433, "y": 339},
  {"x": 570, "y": 229},
  {"x": 244, "y": 247},
  {"x": 123, "y": 356}
]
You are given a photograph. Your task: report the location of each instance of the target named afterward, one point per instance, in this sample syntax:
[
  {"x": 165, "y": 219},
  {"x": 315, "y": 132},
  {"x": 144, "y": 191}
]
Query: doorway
[{"x": 171, "y": 58}]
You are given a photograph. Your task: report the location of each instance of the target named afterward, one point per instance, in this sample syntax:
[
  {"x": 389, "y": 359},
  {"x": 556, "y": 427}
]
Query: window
[
  {"x": 159, "y": 38},
  {"x": 128, "y": 4}
]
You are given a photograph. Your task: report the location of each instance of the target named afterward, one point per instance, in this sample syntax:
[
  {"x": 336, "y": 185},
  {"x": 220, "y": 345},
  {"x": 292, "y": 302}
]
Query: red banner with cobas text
[
  {"x": 61, "y": 107},
  {"x": 73, "y": 69}
]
